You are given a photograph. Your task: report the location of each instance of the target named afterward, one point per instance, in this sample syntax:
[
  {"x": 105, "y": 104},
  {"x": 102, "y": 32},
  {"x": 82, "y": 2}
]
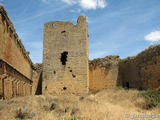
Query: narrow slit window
[{"x": 64, "y": 57}]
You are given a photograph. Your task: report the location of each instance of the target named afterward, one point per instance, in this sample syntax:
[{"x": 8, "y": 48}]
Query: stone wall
[
  {"x": 12, "y": 82},
  {"x": 141, "y": 71},
  {"x": 103, "y": 73},
  {"x": 16, "y": 68},
  {"x": 37, "y": 79},
  {"x": 65, "y": 57},
  {"x": 12, "y": 50}
]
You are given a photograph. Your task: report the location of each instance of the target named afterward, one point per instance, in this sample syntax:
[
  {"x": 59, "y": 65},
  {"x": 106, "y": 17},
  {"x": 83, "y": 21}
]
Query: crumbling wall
[
  {"x": 103, "y": 73},
  {"x": 141, "y": 71},
  {"x": 65, "y": 57},
  {"x": 15, "y": 64},
  {"x": 12, "y": 82},
  {"x": 37, "y": 79},
  {"x": 12, "y": 50}
]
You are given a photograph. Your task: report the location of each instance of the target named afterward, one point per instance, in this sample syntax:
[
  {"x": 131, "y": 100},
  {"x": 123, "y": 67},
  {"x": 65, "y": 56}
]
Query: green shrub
[{"x": 152, "y": 98}]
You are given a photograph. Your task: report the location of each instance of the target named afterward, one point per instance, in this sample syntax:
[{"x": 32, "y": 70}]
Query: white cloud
[
  {"x": 102, "y": 3},
  {"x": 85, "y": 4},
  {"x": 153, "y": 36},
  {"x": 88, "y": 4}
]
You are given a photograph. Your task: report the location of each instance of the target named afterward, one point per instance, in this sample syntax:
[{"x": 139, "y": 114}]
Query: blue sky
[{"x": 116, "y": 27}]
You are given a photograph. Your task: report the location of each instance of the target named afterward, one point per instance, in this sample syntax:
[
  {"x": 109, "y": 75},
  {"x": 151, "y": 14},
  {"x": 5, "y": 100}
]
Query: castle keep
[{"x": 65, "y": 57}]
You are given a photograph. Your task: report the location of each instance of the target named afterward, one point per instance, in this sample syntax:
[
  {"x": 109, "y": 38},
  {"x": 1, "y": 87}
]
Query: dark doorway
[
  {"x": 64, "y": 57},
  {"x": 39, "y": 86},
  {"x": 127, "y": 85}
]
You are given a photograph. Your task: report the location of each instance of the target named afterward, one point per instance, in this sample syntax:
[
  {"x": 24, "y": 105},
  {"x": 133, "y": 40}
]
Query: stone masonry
[
  {"x": 12, "y": 50},
  {"x": 66, "y": 69},
  {"x": 103, "y": 73},
  {"x": 141, "y": 71},
  {"x": 65, "y": 57},
  {"x": 12, "y": 82},
  {"x": 16, "y": 67}
]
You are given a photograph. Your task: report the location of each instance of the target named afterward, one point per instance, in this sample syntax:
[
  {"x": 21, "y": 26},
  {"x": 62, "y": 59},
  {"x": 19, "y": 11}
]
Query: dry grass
[{"x": 108, "y": 104}]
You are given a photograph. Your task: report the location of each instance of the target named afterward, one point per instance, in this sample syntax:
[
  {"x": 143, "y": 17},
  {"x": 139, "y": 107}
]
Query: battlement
[{"x": 56, "y": 24}]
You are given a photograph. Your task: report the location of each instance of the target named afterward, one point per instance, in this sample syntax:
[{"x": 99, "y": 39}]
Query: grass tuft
[{"x": 152, "y": 98}]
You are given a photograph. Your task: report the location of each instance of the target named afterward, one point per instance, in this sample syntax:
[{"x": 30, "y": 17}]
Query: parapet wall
[
  {"x": 12, "y": 50},
  {"x": 141, "y": 71},
  {"x": 103, "y": 73}
]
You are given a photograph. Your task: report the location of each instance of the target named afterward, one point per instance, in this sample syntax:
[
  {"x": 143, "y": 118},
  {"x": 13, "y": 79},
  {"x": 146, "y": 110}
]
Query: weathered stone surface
[
  {"x": 103, "y": 73},
  {"x": 141, "y": 71},
  {"x": 65, "y": 65},
  {"x": 65, "y": 57},
  {"x": 38, "y": 67},
  {"x": 37, "y": 78},
  {"x": 12, "y": 50},
  {"x": 12, "y": 82},
  {"x": 16, "y": 68}
]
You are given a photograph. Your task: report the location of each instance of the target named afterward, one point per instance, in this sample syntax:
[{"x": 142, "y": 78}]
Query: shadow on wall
[
  {"x": 129, "y": 74},
  {"x": 39, "y": 86}
]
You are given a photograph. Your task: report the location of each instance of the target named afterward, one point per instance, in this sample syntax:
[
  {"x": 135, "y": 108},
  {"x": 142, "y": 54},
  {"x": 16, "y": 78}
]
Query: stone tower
[{"x": 65, "y": 57}]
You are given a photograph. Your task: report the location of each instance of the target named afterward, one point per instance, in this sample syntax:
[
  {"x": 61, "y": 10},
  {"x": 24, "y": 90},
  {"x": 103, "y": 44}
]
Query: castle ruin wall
[
  {"x": 65, "y": 57},
  {"x": 103, "y": 73},
  {"x": 141, "y": 71},
  {"x": 12, "y": 50},
  {"x": 15, "y": 64}
]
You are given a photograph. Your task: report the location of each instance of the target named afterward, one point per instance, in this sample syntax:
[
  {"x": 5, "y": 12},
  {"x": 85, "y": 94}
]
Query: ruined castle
[
  {"x": 139, "y": 72},
  {"x": 16, "y": 68},
  {"x": 65, "y": 57},
  {"x": 66, "y": 68}
]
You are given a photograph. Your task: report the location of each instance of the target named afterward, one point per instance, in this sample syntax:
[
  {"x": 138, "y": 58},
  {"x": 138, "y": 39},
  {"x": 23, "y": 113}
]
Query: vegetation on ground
[
  {"x": 109, "y": 104},
  {"x": 152, "y": 98}
]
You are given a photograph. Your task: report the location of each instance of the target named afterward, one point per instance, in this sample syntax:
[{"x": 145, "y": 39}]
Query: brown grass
[{"x": 108, "y": 104}]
